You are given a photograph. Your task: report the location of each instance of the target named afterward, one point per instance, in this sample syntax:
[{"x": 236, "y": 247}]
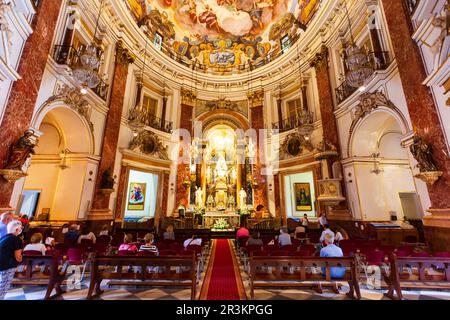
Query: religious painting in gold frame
[
  {"x": 136, "y": 196},
  {"x": 303, "y": 199}
]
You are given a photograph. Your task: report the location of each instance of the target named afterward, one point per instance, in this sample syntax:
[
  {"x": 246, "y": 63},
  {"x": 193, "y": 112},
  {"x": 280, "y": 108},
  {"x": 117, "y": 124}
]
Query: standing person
[
  {"x": 10, "y": 255},
  {"x": 322, "y": 221},
  {"x": 305, "y": 222},
  {"x": 5, "y": 218}
]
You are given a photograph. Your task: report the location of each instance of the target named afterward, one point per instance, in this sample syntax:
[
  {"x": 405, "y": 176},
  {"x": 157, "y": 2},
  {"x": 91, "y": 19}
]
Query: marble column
[
  {"x": 186, "y": 118},
  {"x": 424, "y": 116},
  {"x": 260, "y": 197},
  {"x": 329, "y": 124},
  {"x": 320, "y": 63},
  {"x": 24, "y": 92},
  {"x": 277, "y": 192},
  {"x": 112, "y": 128},
  {"x": 122, "y": 190}
]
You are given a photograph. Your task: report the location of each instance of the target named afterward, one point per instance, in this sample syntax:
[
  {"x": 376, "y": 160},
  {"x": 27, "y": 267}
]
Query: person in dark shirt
[
  {"x": 72, "y": 234},
  {"x": 10, "y": 255}
]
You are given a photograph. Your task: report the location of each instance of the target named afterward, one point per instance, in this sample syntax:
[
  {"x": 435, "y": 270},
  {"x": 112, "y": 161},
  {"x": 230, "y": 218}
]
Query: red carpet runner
[{"x": 223, "y": 280}]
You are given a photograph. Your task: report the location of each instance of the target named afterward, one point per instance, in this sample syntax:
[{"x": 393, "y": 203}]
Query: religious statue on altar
[
  {"x": 210, "y": 202},
  {"x": 231, "y": 202},
  {"x": 199, "y": 197},
  {"x": 243, "y": 199}
]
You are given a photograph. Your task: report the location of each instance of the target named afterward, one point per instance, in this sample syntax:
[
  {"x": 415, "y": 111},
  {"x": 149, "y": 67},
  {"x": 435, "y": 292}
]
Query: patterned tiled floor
[{"x": 160, "y": 293}]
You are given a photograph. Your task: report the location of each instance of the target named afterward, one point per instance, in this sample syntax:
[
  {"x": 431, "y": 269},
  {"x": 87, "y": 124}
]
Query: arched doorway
[
  {"x": 61, "y": 175},
  {"x": 379, "y": 176}
]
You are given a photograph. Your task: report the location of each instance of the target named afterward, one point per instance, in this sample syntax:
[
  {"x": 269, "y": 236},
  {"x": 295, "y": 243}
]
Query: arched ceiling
[{"x": 223, "y": 36}]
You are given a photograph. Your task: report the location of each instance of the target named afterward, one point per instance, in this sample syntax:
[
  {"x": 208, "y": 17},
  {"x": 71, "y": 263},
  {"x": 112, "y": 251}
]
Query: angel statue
[
  {"x": 20, "y": 151},
  {"x": 422, "y": 153}
]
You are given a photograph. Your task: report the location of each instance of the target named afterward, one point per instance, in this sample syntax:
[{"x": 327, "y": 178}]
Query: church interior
[{"x": 225, "y": 149}]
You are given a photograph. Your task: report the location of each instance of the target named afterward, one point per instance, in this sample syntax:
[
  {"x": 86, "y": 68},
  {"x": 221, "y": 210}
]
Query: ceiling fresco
[{"x": 223, "y": 35}]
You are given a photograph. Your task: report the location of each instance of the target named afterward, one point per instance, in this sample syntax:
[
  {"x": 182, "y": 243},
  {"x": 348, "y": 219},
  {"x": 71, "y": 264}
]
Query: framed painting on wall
[
  {"x": 303, "y": 201},
  {"x": 136, "y": 196}
]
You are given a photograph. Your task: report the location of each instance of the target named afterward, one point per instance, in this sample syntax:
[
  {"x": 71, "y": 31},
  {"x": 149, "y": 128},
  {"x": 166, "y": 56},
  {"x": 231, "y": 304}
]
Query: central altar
[{"x": 210, "y": 218}]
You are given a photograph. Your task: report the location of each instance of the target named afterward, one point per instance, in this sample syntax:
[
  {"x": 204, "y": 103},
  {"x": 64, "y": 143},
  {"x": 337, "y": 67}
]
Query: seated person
[
  {"x": 72, "y": 234},
  {"x": 255, "y": 240},
  {"x": 149, "y": 244},
  {"x": 104, "y": 231},
  {"x": 242, "y": 232},
  {"x": 299, "y": 230},
  {"x": 326, "y": 231},
  {"x": 285, "y": 238},
  {"x": 192, "y": 241},
  {"x": 331, "y": 251},
  {"x": 169, "y": 234},
  {"x": 128, "y": 244},
  {"x": 86, "y": 235},
  {"x": 49, "y": 241},
  {"x": 338, "y": 237},
  {"x": 36, "y": 244}
]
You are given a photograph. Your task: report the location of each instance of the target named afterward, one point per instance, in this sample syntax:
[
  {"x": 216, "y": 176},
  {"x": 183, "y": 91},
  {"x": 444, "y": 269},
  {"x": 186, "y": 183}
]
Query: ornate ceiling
[{"x": 223, "y": 35}]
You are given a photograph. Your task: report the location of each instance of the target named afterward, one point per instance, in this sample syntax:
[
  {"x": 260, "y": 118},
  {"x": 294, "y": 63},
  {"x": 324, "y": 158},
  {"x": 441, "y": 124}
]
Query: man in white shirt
[
  {"x": 322, "y": 221},
  {"x": 192, "y": 241},
  {"x": 325, "y": 232}
]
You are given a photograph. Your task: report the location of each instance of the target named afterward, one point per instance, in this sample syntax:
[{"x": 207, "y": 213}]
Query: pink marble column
[
  {"x": 24, "y": 92},
  {"x": 112, "y": 125}
]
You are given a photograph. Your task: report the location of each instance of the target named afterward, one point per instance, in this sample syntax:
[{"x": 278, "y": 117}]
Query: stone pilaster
[
  {"x": 260, "y": 197},
  {"x": 24, "y": 92},
  {"x": 186, "y": 117},
  {"x": 112, "y": 126}
]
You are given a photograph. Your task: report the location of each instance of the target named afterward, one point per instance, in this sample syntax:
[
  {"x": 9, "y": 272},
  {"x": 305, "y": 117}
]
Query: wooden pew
[
  {"x": 411, "y": 272},
  {"x": 156, "y": 271},
  {"x": 41, "y": 271},
  {"x": 291, "y": 271}
]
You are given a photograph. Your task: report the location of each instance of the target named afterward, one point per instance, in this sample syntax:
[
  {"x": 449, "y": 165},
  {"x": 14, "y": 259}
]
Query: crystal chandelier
[
  {"x": 358, "y": 63},
  {"x": 86, "y": 74},
  {"x": 306, "y": 121}
]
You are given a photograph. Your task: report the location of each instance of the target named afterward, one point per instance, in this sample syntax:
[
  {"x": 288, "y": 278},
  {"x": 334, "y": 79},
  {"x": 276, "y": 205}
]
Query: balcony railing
[
  {"x": 412, "y": 5},
  {"x": 294, "y": 122},
  {"x": 377, "y": 60},
  {"x": 159, "y": 124},
  {"x": 66, "y": 55},
  {"x": 69, "y": 56}
]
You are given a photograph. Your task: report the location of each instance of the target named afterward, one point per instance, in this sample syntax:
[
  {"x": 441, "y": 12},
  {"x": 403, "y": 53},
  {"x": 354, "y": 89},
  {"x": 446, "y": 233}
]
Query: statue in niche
[
  {"x": 107, "y": 180},
  {"x": 21, "y": 150},
  {"x": 231, "y": 202},
  {"x": 199, "y": 197},
  {"x": 422, "y": 153},
  {"x": 243, "y": 198},
  {"x": 210, "y": 201}
]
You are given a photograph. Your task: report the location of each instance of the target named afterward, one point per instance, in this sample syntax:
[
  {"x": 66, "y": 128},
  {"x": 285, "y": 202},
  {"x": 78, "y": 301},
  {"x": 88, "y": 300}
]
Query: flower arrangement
[
  {"x": 220, "y": 224},
  {"x": 244, "y": 211}
]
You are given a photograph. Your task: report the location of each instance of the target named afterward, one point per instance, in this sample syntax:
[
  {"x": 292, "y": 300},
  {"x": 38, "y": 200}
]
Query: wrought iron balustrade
[
  {"x": 158, "y": 123},
  {"x": 378, "y": 60},
  {"x": 69, "y": 56},
  {"x": 294, "y": 122}
]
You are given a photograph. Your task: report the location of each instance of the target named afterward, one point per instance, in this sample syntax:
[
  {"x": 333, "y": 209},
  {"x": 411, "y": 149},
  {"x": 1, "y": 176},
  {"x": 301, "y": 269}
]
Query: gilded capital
[
  {"x": 321, "y": 59},
  {"x": 256, "y": 98},
  {"x": 124, "y": 56},
  {"x": 188, "y": 97}
]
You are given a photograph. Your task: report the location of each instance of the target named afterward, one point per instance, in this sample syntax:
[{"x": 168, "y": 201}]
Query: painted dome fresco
[{"x": 223, "y": 35}]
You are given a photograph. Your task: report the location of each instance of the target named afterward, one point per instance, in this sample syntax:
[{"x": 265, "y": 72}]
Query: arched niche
[{"x": 63, "y": 170}]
